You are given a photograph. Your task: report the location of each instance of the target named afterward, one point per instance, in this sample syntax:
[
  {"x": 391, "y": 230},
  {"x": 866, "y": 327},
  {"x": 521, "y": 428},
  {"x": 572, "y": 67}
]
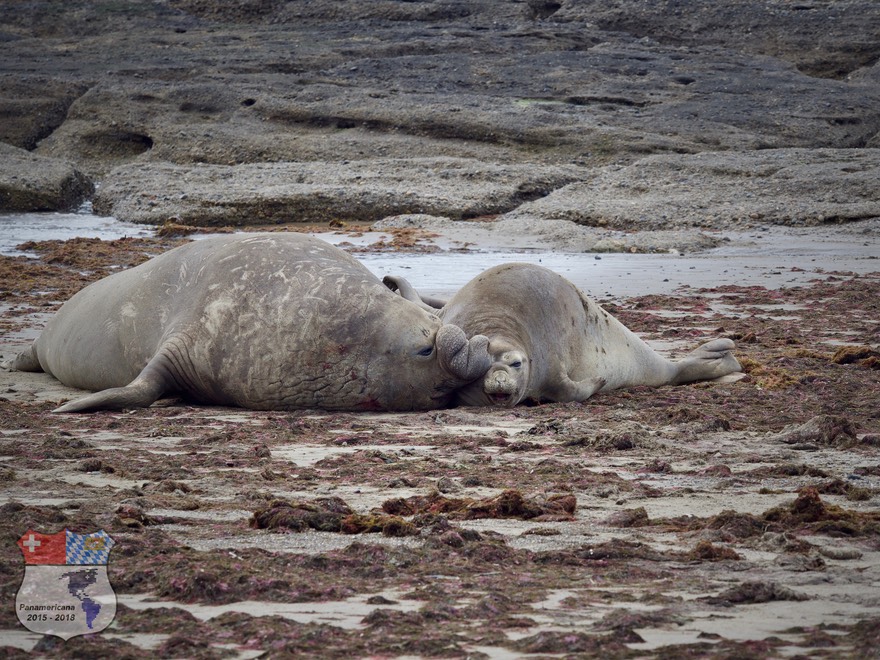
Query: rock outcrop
[
  {"x": 29, "y": 182},
  {"x": 154, "y": 99}
]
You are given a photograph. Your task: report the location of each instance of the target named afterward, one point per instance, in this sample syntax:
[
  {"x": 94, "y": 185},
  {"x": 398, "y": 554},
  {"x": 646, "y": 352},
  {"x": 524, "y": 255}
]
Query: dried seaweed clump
[
  {"x": 810, "y": 512},
  {"x": 863, "y": 356},
  {"x": 755, "y": 592},
  {"x": 324, "y": 514},
  {"x": 707, "y": 551},
  {"x": 766, "y": 377},
  {"x": 806, "y": 513},
  {"x": 831, "y": 430},
  {"x": 328, "y": 514},
  {"x": 508, "y": 504},
  {"x": 378, "y": 522},
  {"x": 637, "y": 517}
]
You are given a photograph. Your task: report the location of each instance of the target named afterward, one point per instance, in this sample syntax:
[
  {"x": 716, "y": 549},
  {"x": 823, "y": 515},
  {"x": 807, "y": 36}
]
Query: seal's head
[
  {"x": 422, "y": 362},
  {"x": 506, "y": 381}
]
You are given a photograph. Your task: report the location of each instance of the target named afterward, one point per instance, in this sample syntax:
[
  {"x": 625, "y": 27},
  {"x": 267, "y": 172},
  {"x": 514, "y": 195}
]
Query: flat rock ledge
[
  {"x": 29, "y": 182},
  {"x": 721, "y": 190},
  {"x": 315, "y": 192},
  {"x": 569, "y": 207},
  {"x": 526, "y": 233}
]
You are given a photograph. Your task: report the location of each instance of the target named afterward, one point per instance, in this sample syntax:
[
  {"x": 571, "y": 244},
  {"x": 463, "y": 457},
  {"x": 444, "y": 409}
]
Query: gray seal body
[
  {"x": 264, "y": 321},
  {"x": 550, "y": 342}
]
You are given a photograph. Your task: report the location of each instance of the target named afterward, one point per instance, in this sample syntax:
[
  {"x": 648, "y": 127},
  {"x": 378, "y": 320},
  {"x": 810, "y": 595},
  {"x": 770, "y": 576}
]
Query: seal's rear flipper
[
  {"x": 709, "y": 361},
  {"x": 149, "y": 386},
  {"x": 407, "y": 291}
]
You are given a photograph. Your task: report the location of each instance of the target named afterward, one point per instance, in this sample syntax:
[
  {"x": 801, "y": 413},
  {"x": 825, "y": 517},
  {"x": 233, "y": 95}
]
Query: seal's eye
[
  {"x": 425, "y": 352},
  {"x": 516, "y": 365}
]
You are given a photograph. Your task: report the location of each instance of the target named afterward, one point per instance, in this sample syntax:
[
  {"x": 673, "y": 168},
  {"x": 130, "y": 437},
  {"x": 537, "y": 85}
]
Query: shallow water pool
[{"x": 775, "y": 259}]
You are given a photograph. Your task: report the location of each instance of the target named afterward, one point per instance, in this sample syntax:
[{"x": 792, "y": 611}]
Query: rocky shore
[{"x": 619, "y": 115}]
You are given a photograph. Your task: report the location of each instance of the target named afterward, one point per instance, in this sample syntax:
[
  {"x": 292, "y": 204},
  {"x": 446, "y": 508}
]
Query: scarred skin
[
  {"x": 550, "y": 342},
  {"x": 265, "y": 321}
]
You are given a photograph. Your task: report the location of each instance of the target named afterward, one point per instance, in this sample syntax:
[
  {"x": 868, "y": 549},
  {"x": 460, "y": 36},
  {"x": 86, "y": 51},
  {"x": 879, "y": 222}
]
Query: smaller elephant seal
[
  {"x": 550, "y": 342},
  {"x": 274, "y": 321}
]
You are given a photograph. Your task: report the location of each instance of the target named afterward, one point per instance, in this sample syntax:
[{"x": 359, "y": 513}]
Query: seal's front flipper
[
  {"x": 575, "y": 390},
  {"x": 709, "y": 361},
  {"x": 149, "y": 386},
  {"x": 27, "y": 360}
]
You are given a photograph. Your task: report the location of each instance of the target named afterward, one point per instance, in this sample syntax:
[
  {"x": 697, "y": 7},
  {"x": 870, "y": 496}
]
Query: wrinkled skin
[
  {"x": 265, "y": 321},
  {"x": 550, "y": 342}
]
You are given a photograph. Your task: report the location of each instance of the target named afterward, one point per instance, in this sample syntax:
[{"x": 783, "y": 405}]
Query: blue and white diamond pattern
[{"x": 88, "y": 548}]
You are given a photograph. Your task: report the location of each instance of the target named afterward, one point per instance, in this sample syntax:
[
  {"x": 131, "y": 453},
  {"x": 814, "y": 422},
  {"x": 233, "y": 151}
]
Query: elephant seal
[
  {"x": 265, "y": 321},
  {"x": 550, "y": 342}
]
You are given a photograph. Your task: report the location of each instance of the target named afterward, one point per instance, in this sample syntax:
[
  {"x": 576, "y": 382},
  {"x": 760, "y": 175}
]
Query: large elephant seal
[
  {"x": 263, "y": 321},
  {"x": 550, "y": 342}
]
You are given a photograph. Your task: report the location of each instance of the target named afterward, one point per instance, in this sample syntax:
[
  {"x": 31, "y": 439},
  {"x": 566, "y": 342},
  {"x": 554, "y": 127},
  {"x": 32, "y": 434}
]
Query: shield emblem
[{"x": 65, "y": 590}]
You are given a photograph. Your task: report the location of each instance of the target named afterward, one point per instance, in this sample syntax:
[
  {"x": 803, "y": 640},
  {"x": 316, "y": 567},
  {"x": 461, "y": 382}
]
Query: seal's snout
[
  {"x": 467, "y": 359},
  {"x": 500, "y": 387},
  {"x": 500, "y": 381}
]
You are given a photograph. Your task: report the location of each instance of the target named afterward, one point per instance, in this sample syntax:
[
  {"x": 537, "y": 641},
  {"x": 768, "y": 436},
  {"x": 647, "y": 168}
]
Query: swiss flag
[{"x": 44, "y": 548}]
